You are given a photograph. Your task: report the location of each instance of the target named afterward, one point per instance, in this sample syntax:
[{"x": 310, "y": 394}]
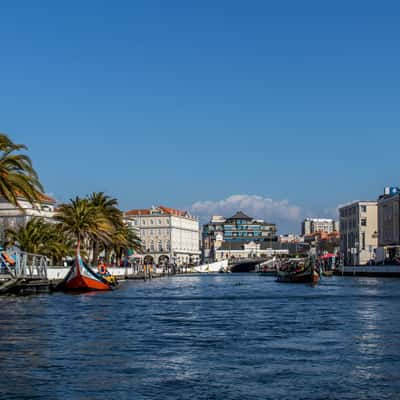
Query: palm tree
[
  {"x": 40, "y": 237},
  {"x": 28, "y": 238},
  {"x": 17, "y": 175},
  {"x": 108, "y": 208},
  {"x": 123, "y": 240},
  {"x": 81, "y": 220}
]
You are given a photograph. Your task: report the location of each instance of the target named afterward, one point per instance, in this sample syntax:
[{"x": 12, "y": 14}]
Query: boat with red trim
[{"x": 82, "y": 278}]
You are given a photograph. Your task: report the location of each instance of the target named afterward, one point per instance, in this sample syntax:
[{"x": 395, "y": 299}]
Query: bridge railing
[
  {"x": 234, "y": 261},
  {"x": 24, "y": 265}
]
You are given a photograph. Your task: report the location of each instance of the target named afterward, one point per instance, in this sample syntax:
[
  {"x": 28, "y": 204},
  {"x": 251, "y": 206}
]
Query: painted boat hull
[{"x": 82, "y": 278}]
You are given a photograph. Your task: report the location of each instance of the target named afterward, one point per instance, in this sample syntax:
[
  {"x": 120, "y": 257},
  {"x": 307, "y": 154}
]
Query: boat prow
[{"x": 82, "y": 278}]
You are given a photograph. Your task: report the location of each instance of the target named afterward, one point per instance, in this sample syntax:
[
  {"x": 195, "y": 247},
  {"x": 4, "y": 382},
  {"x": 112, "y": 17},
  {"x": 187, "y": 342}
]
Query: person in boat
[{"x": 102, "y": 268}]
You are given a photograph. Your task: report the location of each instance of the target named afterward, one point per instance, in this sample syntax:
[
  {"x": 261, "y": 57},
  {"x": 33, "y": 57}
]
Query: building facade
[
  {"x": 359, "y": 232},
  {"x": 314, "y": 225},
  {"x": 235, "y": 250},
  {"x": 11, "y": 217},
  {"x": 389, "y": 225},
  {"x": 389, "y": 218},
  {"x": 167, "y": 235},
  {"x": 240, "y": 229}
]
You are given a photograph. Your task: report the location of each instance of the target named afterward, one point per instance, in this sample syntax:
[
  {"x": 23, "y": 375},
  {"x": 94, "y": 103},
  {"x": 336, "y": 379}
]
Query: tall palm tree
[
  {"x": 82, "y": 221},
  {"x": 18, "y": 178},
  {"x": 108, "y": 208}
]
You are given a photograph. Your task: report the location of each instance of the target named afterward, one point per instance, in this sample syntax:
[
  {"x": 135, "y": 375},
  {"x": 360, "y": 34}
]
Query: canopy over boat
[{"x": 82, "y": 278}]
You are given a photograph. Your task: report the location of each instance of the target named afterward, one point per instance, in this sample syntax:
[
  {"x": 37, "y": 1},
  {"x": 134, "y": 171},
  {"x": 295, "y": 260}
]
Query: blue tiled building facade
[{"x": 240, "y": 228}]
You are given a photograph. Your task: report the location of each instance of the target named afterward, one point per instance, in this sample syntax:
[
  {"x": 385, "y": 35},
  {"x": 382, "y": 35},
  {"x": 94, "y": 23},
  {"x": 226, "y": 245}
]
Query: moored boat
[
  {"x": 82, "y": 278},
  {"x": 297, "y": 270},
  {"x": 267, "y": 267}
]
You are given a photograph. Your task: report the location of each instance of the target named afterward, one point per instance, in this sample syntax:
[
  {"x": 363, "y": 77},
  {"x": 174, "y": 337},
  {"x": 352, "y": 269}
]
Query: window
[
  {"x": 363, "y": 240},
  {"x": 151, "y": 246},
  {"x": 363, "y": 208},
  {"x": 160, "y": 248},
  {"x": 151, "y": 222},
  {"x": 363, "y": 221},
  {"x": 159, "y": 222}
]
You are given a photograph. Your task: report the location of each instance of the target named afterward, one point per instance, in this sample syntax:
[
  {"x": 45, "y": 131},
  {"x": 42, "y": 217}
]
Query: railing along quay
[{"x": 23, "y": 273}]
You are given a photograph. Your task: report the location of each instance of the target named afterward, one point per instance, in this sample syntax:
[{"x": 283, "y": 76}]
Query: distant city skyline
[{"x": 282, "y": 110}]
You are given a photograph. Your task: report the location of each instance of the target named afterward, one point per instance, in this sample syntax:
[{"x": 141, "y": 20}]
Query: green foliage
[
  {"x": 97, "y": 223},
  {"x": 81, "y": 221},
  {"x": 94, "y": 222},
  {"x": 17, "y": 175},
  {"x": 40, "y": 237}
]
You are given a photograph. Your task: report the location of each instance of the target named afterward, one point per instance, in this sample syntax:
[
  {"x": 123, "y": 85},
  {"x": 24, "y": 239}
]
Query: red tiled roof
[
  {"x": 173, "y": 211},
  {"x": 165, "y": 210},
  {"x": 138, "y": 212},
  {"x": 43, "y": 197},
  {"x": 47, "y": 199}
]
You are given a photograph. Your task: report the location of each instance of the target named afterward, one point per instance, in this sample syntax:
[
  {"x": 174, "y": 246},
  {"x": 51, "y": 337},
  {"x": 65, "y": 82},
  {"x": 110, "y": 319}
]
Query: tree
[
  {"x": 40, "y": 237},
  {"x": 123, "y": 240},
  {"x": 82, "y": 221},
  {"x": 107, "y": 207},
  {"x": 18, "y": 178}
]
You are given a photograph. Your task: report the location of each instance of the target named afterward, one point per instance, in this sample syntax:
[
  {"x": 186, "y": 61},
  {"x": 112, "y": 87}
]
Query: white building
[
  {"x": 167, "y": 235},
  {"x": 359, "y": 231},
  {"x": 237, "y": 250},
  {"x": 314, "y": 225},
  {"x": 290, "y": 238},
  {"x": 11, "y": 216}
]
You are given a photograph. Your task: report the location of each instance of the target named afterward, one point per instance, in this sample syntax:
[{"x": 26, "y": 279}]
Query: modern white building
[
  {"x": 290, "y": 238},
  {"x": 11, "y": 216},
  {"x": 236, "y": 250},
  {"x": 168, "y": 235},
  {"x": 359, "y": 232},
  {"x": 314, "y": 225}
]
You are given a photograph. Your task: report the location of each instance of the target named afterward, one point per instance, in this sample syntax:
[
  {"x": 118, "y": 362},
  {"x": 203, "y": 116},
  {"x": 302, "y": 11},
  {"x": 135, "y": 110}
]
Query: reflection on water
[{"x": 231, "y": 336}]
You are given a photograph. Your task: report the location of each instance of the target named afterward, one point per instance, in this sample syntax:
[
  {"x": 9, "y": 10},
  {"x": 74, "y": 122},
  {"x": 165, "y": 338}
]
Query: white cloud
[{"x": 255, "y": 206}]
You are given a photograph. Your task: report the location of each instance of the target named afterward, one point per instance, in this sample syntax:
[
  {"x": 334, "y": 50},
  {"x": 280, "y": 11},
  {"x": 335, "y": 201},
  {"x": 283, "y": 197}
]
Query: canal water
[{"x": 236, "y": 336}]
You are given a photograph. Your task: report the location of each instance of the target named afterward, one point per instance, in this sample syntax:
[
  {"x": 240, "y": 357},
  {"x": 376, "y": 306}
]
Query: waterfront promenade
[{"x": 222, "y": 336}]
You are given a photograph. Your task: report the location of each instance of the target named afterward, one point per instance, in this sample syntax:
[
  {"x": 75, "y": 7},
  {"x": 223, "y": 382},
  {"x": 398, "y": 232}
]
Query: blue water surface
[{"x": 227, "y": 336}]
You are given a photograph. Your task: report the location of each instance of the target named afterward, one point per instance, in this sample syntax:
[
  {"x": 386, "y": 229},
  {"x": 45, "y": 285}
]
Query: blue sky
[{"x": 181, "y": 102}]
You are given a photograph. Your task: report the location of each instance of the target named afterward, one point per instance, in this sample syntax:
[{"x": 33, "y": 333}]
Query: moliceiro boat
[
  {"x": 268, "y": 267},
  {"x": 82, "y": 278},
  {"x": 298, "y": 270}
]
